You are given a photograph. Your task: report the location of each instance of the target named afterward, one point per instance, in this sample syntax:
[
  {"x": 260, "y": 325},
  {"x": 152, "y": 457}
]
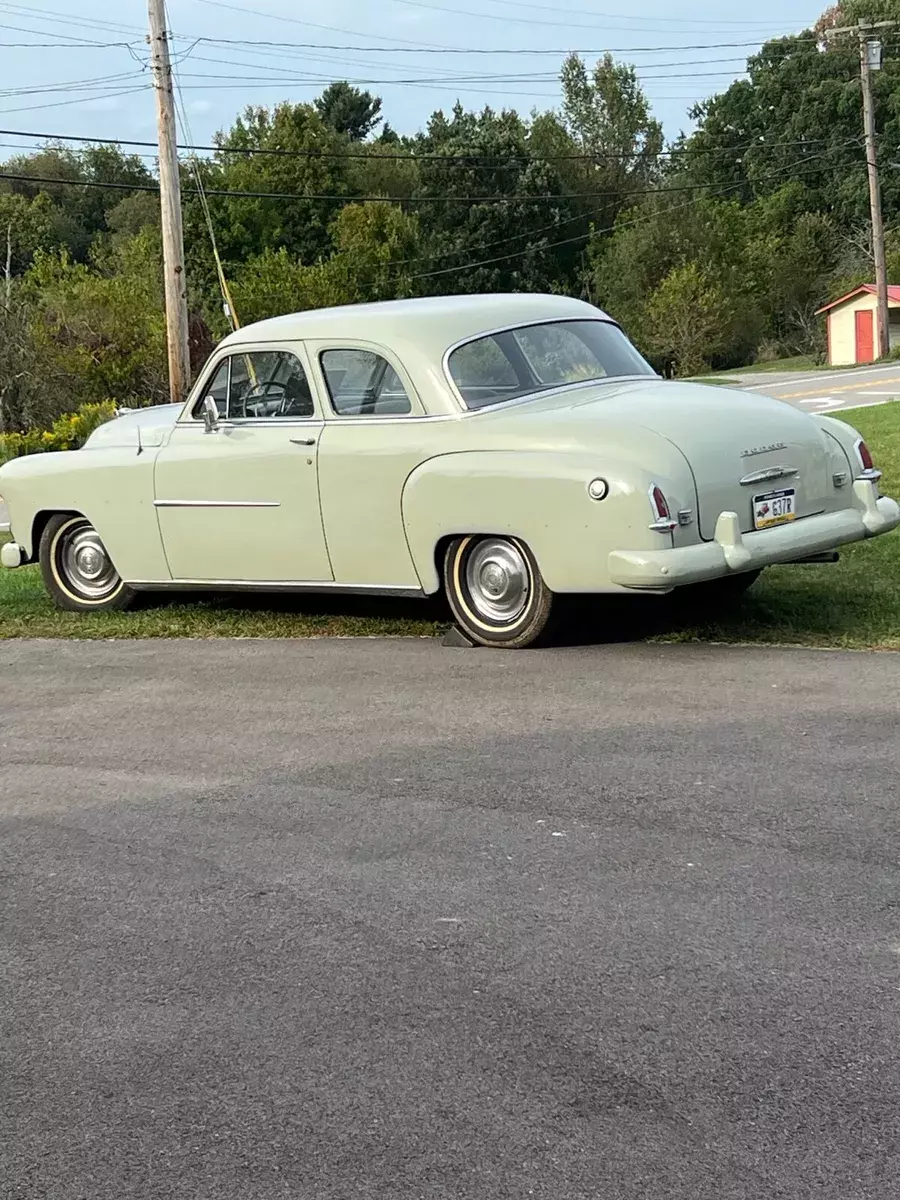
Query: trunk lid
[{"x": 726, "y": 435}]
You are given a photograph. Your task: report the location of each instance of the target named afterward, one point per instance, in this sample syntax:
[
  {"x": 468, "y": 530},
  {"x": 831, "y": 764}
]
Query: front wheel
[
  {"x": 495, "y": 591},
  {"x": 78, "y": 572}
]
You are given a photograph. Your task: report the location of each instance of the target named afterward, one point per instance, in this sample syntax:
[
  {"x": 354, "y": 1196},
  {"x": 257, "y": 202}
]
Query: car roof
[{"x": 434, "y": 322}]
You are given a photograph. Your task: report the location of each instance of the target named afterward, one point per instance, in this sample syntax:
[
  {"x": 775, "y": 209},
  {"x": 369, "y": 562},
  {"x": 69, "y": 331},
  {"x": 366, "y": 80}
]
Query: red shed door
[{"x": 865, "y": 336}]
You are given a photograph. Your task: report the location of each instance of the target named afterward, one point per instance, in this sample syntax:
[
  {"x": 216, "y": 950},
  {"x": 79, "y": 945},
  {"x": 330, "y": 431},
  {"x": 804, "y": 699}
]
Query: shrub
[{"x": 69, "y": 432}]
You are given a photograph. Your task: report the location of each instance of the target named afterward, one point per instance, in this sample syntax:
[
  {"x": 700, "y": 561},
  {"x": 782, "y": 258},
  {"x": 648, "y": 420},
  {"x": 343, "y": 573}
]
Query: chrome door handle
[{"x": 303, "y": 441}]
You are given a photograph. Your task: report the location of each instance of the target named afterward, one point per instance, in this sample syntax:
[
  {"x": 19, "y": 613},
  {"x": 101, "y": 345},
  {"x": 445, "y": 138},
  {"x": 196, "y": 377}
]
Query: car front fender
[{"x": 113, "y": 488}]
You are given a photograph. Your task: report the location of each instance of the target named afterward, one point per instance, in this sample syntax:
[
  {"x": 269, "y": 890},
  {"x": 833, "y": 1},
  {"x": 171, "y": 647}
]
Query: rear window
[{"x": 518, "y": 362}]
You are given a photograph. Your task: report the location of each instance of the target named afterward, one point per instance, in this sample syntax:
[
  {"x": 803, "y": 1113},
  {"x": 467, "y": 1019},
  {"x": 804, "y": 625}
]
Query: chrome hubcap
[
  {"x": 498, "y": 580},
  {"x": 86, "y": 563}
]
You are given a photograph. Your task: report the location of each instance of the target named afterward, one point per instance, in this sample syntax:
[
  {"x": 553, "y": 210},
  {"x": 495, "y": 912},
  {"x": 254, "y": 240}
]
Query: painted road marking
[
  {"x": 823, "y": 404},
  {"x": 821, "y": 377},
  {"x": 845, "y": 387}
]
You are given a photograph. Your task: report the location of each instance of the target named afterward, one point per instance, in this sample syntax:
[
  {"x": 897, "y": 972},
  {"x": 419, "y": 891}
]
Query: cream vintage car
[{"x": 507, "y": 449}]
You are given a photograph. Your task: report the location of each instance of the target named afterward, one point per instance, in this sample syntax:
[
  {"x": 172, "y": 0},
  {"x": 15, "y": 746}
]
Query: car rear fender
[{"x": 543, "y": 499}]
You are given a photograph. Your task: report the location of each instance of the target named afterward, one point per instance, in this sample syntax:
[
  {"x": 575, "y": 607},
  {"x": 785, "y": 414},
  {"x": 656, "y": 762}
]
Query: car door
[
  {"x": 240, "y": 502},
  {"x": 375, "y": 435}
]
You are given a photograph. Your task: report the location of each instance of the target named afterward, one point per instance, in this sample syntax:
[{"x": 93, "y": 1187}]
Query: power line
[
  {"x": 72, "y": 85},
  {"x": 468, "y": 159},
  {"x": 431, "y": 48},
  {"x": 603, "y": 16},
  {"x": 100, "y": 94},
  {"x": 585, "y": 216},
  {"x": 668, "y": 48},
  {"x": 526, "y": 77},
  {"x": 69, "y": 42},
  {"x": 37, "y": 149},
  {"x": 488, "y": 16},
  {"x": 552, "y": 75},
  {"x": 54, "y": 17},
  {"x": 470, "y": 266},
  {"x": 62, "y": 45},
  {"x": 351, "y": 199},
  {"x": 257, "y": 13}
]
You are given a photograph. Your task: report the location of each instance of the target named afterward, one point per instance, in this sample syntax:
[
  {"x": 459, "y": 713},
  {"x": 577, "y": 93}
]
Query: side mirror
[{"x": 210, "y": 411}]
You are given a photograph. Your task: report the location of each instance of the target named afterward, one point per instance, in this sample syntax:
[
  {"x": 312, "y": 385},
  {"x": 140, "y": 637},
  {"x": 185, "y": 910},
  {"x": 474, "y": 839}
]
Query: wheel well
[
  {"x": 40, "y": 523},
  {"x": 440, "y": 553}
]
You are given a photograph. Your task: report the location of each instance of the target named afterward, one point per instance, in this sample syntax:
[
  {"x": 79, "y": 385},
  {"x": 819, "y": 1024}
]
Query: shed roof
[{"x": 870, "y": 288}]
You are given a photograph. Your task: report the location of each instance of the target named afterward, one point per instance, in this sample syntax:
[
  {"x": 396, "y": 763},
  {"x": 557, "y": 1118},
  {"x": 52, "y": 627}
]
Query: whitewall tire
[
  {"x": 78, "y": 572},
  {"x": 495, "y": 591}
]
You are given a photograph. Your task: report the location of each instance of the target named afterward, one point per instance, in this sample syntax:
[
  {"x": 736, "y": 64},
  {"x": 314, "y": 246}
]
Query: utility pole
[
  {"x": 869, "y": 61},
  {"x": 170, "y": 207}
]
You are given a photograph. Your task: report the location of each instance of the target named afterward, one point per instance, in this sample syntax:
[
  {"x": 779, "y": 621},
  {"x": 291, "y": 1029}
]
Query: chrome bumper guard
[
  {"x": 733, "y": 551},
  {"x": 11, "y": 555}
]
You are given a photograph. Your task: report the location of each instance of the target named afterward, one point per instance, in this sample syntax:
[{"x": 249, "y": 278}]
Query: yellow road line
[{"x": 825, "y": 390}]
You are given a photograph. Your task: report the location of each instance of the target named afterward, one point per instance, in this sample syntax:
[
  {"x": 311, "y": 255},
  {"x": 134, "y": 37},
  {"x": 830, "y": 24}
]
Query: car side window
[
  {"x": 268, "y": 384},
  {"x": 362, "y": 383},
  {"x": 483, "y": 373},
  {"x": 218, "y": 389}
]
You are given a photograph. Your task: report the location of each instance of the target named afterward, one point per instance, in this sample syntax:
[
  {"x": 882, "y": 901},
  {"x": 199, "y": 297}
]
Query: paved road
[
  {"x": 379, "y": 919},
  {"x": 825, "y": 391}
]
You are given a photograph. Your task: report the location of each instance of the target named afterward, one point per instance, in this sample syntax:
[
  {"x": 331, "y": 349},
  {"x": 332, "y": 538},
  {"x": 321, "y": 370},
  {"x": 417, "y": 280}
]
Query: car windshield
[{"x": 519, "y": 362}]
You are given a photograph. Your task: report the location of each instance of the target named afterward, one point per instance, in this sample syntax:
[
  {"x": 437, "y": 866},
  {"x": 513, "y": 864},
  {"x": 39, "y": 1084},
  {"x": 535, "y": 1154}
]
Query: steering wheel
[{"x": 258, "y": 402}]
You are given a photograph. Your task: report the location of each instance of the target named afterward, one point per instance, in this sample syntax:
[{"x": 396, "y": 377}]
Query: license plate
[{"x": 774, "y": 508}]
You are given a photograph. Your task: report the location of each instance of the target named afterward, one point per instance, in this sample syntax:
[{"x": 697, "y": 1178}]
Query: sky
[{"x": 230, "y": 53}]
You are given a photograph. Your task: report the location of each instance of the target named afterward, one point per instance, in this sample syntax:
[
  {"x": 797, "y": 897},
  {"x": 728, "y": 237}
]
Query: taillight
[
  {"x": 662, "y": 518},
  {"x": 866, "y": 462}
]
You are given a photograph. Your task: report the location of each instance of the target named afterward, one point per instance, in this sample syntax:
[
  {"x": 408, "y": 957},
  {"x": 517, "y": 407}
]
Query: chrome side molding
[{"x": 216, "y": 504}]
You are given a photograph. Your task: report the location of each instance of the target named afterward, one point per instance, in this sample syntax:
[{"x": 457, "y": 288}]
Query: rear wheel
[
  {"x": 78, "y": 572},
  {"x": 496, "y": 592}
]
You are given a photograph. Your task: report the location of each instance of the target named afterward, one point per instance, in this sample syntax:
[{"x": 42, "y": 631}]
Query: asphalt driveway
[{"x": 381, "y": 919}]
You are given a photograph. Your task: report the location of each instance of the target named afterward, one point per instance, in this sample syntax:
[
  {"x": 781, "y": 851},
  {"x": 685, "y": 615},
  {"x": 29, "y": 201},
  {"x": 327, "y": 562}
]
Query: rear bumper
[{"x": 732, "y": 551}]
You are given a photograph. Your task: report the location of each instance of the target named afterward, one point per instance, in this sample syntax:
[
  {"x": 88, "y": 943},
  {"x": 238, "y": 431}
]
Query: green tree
[
  {"x": 606, "y": 113},
  {"x": 302, "y": 160},
  {"x": 663, "y": 233},
  {"x": 369, "y": 240},
  {"x": 689, "y": 318},
  {"x": 26, "y": 226},
  {"x": 484, "y": 197},
  {"x": 26, "y": 394},
  {"x": 76, "y": 215},
  {"x": 798, "y": 116},
  {"x": 99, "y": 327},
  {"x": 348, "y": 110}
]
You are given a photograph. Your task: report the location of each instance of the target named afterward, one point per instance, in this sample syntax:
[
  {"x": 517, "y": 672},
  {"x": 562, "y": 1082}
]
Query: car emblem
[{"x": 763, "y": 449}]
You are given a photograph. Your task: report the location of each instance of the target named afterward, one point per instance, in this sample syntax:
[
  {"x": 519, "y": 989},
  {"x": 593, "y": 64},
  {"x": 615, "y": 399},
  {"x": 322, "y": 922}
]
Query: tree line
[{"x": 712, "y": 251}]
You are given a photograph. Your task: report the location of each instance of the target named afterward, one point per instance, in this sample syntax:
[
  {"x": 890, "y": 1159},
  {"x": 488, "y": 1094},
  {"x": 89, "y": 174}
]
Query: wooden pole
[
  {"x": 881, "y": 283},
  {"x": 867, "y": 32},
  {"x": 170, "y": 208}
]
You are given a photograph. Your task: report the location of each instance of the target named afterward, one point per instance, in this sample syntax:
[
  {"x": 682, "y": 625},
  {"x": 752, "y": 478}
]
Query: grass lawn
[
  {"x": 855, "y": 603},
  {"x": 799, "y": 363}
]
